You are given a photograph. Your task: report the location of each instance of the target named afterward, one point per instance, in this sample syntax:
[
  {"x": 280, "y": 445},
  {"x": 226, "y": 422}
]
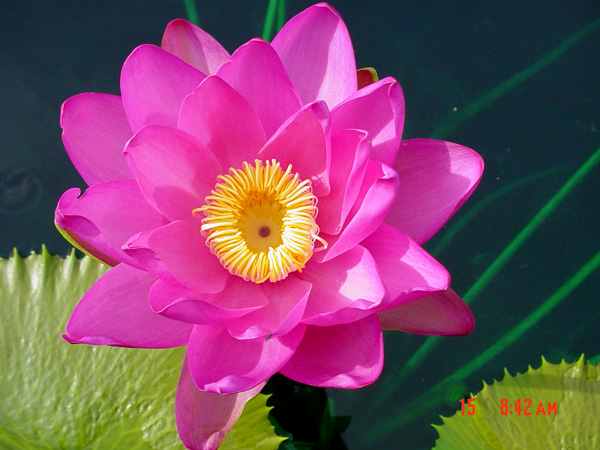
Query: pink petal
[
  {"x": 437, "y": 177},
  {"x": 345, "y": 289},
  {"x": 407, "y": 271},
  {"x": 379, "y": 188},
  {"x": 95, "y": 130},
  {"x": 316, "y": 50},
  {"x": 82, "y": 245},
  {"x": 350, "y": 150},
  {"x": 303, "y": 142},
  {"x": 345, "y": 356},
  {"x": 443, "y": 313},
  {"x": 379, "y": 110},
  {"x": 204, "y": 418},
  {"x": 115, "y": 311},
  {"x": 153, "y": 85},
  {"x": 286, "y": 303},
  {"x": 177, "y": 253},
  {"x": 256, "y": 72},
  {"x": 222, "y": 364},
  {"x": 237, "y": 299},
  {"x": 194, "y": 45},
  {"x": 105, "y": 216},
  {"x": 223, "y": 121},
  {"x": 174, "y": 171}
]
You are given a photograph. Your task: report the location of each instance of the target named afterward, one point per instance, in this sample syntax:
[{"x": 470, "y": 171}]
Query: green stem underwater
[{"x": 456, "y": 119}]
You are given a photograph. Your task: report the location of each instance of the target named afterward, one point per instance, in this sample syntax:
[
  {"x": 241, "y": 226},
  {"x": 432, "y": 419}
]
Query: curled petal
[
  {"x": 223, "y": 121},
  {"x": 115, "y": 311},
  {"x": 175, "y": 301},
  {"x": 437, "y": 178},
  {"x": 345, "y": 356},
  {"x": 379, "y": 110},
  {"x": 303, "y": 142},
  {"x": 105, "y": 217},
  {"x": 316, "y": 50},
  {"x": 345, "y": 289},
  {"x": 407, "y": 271},
  {"x": 350, "y": 150},
  {"x": 174, "y": 171},
  {"x": 222, "y": 364},
  {"x": 95, "y": 130},
  {"x": 177, "y": 253},
  {"x": 153, "y": 84},
  {"x": 375, "y": 198},
  {"x": 256, "y": 72},
  {"x": 204, "y": 418},
  {"x": 194, "y": 45},
  {"x": 443, "y": 313}
]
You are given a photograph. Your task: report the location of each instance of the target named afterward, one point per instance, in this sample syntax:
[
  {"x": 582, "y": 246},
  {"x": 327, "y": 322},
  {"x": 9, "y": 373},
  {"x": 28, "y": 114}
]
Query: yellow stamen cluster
[{"x": 260, "y": 221}]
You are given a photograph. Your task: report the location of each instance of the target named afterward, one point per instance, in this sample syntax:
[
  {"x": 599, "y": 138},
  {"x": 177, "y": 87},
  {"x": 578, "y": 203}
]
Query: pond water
[{"x": 516, "y": 81}]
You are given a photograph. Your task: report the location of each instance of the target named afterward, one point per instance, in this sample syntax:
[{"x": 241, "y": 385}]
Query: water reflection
[{"x": 20, "y": 189}]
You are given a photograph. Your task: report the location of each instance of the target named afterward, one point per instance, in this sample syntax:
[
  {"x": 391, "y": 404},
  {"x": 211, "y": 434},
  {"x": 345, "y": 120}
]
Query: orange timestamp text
[{"x": 519, "y": 407}]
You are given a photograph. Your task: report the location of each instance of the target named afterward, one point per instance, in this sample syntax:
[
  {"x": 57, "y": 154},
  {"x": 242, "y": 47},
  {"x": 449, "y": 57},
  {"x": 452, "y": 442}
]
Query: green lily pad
[
  {"x": 253, "y": 430},
  {"x": 61, "y": 396},
  {"x": 555, "y": 406}
]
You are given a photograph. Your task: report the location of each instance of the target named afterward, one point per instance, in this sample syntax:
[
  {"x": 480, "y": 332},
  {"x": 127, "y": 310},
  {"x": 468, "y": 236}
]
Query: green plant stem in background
[
  {"x": 453, "y": 121},
  {"x": 280, "y": 14},
  {"x": 269, "y": 20},
  {"x": 533, "y": 225},
  {"x": 433, "y": 398},
  {"x": 191, "y": 11},
  {"x": 415, "y": 360}
]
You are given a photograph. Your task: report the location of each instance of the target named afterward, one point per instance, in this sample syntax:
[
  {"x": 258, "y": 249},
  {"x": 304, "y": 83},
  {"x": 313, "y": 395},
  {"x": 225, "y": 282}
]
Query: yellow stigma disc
[{"x": 260, "y": 221}]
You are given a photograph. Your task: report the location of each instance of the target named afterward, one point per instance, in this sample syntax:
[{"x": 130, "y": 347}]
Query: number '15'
[{"x": 470, "y": 406}]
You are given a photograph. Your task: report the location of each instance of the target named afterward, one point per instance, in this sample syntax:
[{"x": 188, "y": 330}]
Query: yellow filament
[{"x": 260, "y": 221}]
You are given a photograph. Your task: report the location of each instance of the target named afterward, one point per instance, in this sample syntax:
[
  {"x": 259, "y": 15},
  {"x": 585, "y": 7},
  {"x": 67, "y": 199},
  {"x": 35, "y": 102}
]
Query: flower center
[{"x": 260, "y": 221}]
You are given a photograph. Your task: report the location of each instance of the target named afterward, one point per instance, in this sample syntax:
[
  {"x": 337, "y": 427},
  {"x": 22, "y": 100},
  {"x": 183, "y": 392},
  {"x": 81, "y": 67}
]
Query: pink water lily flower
[{"x": 261, "y": 210}]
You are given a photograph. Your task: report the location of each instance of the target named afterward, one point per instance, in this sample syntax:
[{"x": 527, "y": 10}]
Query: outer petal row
[
  {"x": 153, "y": 85},
  {"x": 194, "y": 45},
  {"x": 407, "y": 271},
  {"x": 316, "y": 50},
  {"x": 437, "y": 178},
  {"x": 443, "y": 313},
  {"x": 115, "y": 311},
  {"x": 105, "y": 216},
  {"x": 95, "y": 130}
]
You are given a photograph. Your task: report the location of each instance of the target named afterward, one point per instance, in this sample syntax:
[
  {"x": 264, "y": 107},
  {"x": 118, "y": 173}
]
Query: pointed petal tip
[{"x": 443, "y": 314}]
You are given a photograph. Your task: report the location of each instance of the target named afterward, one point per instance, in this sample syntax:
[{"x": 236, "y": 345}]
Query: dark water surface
[{"x": 446, "y": 55}]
